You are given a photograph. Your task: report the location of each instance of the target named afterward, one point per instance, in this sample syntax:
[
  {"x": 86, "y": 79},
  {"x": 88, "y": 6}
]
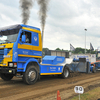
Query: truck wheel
[
  {"x": 31, "y": 75},
  {"x": 94, "y": 70},
  {"x": 6, "y": 77},
  {"x": 65, "y": 73}
]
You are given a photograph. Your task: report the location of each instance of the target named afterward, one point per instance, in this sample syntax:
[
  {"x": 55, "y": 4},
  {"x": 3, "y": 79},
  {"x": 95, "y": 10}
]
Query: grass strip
[{"x": 90, "y": 95}]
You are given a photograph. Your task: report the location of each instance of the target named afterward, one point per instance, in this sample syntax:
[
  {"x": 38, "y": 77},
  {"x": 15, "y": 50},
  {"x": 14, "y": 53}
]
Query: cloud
[
  {"x": 65, "y": 23},
  {"x": 9, "y": 15},
  {"x": 69, "y": 19}
]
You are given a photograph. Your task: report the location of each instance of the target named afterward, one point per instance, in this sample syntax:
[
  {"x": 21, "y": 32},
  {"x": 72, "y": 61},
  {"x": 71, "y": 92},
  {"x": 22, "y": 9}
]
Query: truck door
[
  {"x": 37, "y": 45},
  {"x": 25, "y": 49}
]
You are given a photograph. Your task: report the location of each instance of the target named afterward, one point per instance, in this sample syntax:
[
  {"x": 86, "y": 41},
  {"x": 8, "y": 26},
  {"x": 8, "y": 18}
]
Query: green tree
[
  {"x": 43, "y": 51},
  {"x": 58, "y": 49},
  {"x": 78, "y": 50}
]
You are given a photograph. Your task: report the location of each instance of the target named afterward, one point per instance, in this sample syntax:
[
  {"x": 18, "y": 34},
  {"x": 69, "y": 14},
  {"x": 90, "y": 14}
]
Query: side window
[
  {"x": 35, "y": 39},
  {"x": 28, "y": 36}
]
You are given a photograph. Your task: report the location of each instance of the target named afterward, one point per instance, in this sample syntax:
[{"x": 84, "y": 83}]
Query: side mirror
[{"x": 23, "y": 38}]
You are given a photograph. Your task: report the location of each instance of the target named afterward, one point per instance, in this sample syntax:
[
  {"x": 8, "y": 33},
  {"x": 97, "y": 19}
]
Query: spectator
[{"x": 27, "y": 40}]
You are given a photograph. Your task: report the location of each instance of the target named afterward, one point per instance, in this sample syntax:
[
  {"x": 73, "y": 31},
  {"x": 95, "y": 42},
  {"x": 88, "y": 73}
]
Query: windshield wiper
[{"x": 7, "y": 41}]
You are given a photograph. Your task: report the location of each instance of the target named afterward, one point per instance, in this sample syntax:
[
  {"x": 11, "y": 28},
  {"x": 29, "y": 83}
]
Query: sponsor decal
[
  {"x": 35, "y": 38},
  {"x": 58, "y": 68},
  {"x": 6, "y": 56},
  {"x": 25, "y": 52},
  {"x": 52, "y": 68},
  {"x": 59, "y": 59},
  {"x": 2, "y": 46},
  {"x": 37, "y": 54},
  {"x": 15, "y": 54},
  {"x": 81, "y": 56}
]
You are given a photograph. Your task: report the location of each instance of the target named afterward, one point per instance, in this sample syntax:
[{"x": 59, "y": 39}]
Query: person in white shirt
[{"x": 27, "y": 40}]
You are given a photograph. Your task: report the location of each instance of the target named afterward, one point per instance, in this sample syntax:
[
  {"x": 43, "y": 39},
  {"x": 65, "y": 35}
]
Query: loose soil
[{"x": 46, "y": 88}]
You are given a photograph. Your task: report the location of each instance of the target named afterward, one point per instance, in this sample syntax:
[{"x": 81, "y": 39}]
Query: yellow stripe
[
  {"x": 50, "y": 73},
  {"x": 24, "y": 46},
  {"x": 29, "y": 47},
  {"x": 37, "y": 31},
  {"x": 29, "y": 56},
  {"x": 10, "y": 45},
  {"x": 7, "y": 45}
]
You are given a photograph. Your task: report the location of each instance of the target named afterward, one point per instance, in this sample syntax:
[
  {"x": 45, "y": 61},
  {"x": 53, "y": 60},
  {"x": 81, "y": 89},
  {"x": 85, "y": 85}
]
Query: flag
[
  {"x": 91, "y": 47},
  {"x": 72, "y": 48}
]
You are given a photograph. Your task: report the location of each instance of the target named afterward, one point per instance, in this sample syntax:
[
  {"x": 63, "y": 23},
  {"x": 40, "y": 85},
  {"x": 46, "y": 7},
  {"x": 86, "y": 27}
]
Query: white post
[
  {"x": 79, "y": 96},
  {"x": 85, "y": 40}
]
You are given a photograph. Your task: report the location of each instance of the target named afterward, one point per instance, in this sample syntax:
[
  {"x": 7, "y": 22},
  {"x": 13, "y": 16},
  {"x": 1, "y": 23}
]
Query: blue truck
[{"x": 21, "y": 57}]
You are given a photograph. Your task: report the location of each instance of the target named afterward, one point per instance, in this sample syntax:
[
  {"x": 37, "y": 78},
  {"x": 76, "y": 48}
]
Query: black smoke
[
  {"x": 25, "y": 6},
  {"x": 43, "y": 4}
]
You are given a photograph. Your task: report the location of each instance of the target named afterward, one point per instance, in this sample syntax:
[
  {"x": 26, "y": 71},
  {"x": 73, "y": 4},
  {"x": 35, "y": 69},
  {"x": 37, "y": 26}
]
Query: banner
[{"x": 91, "y": 47}]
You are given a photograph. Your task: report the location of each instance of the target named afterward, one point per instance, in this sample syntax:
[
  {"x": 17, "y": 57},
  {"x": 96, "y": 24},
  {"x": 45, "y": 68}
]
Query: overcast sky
[{"x": 65, "y": 23}]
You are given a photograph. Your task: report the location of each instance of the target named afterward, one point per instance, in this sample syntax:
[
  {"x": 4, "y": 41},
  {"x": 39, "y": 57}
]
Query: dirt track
[{"x": 46, "y": 88}]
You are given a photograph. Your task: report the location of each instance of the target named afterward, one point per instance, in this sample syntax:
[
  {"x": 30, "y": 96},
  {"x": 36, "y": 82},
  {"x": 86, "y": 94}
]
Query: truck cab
[{"x": 15, "y": 53}]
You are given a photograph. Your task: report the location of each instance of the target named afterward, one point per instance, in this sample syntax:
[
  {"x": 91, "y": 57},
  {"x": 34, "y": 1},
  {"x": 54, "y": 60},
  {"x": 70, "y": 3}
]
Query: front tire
[
  {"x": 31, "y": 75},
  {"x": 65, "y": 73},
  {"x": 6, "y": 77}
]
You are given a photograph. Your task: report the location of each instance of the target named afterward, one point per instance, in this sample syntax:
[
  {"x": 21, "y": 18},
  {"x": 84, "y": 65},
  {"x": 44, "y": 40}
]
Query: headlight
[{"x": 10, "y": 64}]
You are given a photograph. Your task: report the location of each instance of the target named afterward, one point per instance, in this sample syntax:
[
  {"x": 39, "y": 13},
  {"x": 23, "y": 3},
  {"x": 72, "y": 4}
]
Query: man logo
[{"x": 35, "y": 38}]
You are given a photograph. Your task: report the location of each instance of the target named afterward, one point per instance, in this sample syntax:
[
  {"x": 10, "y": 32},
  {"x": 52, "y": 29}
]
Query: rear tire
[
  {"x": 31, "y": 75},
  {"x": 65, "y": 73},
  {"x": 6, "y": 77},
  {"x": 94, "y": 70}
]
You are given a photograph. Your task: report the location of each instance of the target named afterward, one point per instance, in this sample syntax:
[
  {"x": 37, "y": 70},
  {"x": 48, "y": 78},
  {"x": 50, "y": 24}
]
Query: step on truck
[{"x": 21, "y": 53}]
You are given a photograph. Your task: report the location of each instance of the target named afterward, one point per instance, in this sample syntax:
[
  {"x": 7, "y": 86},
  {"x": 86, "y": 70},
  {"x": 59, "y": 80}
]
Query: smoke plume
[
  {"x": 43, "y": 11},
  {"x": 25, "y": 6}
]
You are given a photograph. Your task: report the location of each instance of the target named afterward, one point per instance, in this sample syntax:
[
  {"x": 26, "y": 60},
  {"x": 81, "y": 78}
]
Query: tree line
[{"x": 77, "y": 50}]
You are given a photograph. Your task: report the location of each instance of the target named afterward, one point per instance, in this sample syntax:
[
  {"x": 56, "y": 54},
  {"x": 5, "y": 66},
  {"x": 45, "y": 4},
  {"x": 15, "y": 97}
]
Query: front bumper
[{"x": 8, "y": 70}]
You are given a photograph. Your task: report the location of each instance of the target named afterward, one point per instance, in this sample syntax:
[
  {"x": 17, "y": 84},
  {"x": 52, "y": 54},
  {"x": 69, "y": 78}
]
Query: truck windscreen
[
  {"x": 8, "y": 38},
  {"x": 9, "y": 34}
]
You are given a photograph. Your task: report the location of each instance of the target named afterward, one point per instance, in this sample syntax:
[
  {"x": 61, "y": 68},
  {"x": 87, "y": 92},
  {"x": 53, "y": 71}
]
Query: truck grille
[{"x": 1, "y": 54}]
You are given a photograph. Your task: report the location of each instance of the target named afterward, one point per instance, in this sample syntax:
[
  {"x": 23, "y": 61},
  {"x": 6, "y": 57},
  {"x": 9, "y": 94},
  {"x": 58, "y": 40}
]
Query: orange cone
[{"x": 58, "y": 95}]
